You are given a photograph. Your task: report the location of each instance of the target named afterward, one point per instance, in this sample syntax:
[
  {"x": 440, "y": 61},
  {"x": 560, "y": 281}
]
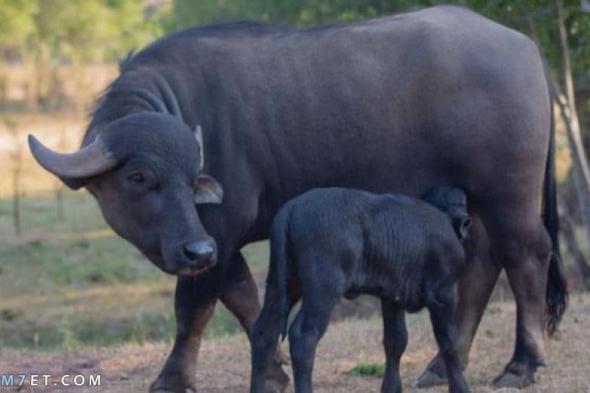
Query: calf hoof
[
  {"x": 429, "y": 378},
  {"x": 163, "y": 387}
]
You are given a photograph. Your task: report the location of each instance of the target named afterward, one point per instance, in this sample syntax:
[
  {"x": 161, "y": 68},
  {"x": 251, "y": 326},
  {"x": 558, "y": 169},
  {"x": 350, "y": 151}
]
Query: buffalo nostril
[{"x": 199, "y": 251}]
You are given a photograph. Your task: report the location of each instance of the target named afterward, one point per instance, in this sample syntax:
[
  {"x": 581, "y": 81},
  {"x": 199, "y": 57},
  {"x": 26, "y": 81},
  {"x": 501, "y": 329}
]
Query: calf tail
[
  {"x": 280, "y": 267},
  {"x": 557, "y": 289}
]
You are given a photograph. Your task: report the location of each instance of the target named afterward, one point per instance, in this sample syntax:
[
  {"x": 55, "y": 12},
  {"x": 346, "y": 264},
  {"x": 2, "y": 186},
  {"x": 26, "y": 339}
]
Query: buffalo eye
[{"x": 136, "y": 178}]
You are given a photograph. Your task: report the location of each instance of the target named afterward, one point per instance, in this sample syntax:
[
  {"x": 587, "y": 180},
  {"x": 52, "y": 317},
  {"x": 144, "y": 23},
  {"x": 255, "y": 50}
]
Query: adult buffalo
[{"x": 437, "y": 97}]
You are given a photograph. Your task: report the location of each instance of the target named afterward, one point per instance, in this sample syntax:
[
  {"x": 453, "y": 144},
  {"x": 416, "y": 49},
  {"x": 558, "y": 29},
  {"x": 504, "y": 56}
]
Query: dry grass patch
[{"x": 224, "y": 365}]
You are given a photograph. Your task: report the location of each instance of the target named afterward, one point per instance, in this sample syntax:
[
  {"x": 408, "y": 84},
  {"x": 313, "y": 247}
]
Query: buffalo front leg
[
  {"x": 395, "y": 340},
  {"x": 240, "y": 296},
  {"x": 473, "y": 289},
  {"x": 194, "y": 305}
]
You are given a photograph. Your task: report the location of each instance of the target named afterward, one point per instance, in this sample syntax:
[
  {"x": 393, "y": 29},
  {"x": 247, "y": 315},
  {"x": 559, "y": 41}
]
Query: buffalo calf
[{"x": 334, "y": 242}]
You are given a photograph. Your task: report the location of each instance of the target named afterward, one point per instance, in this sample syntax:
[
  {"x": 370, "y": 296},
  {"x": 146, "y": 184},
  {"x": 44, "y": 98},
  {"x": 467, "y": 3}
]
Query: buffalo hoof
[
  {"x": 512, "y": 380},
  {"x": 428, "y": 379},
  {"x": 518, "y": 375}
]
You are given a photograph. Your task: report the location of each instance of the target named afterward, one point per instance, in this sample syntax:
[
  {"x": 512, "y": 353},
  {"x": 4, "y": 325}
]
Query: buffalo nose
[{"x": 202, "y": 252}]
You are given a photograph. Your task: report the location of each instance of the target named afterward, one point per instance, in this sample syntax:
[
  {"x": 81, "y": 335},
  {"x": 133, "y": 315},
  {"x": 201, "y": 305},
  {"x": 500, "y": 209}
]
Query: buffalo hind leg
[
  {"x": 395, "y": 340},
  {"x": 240, "y": 296},
  {"x": 194, "y": 304},
  {"x": 522, "y": 244},
  {"x": 474, "y": 288},
  {"x": 528, "y": 281}
]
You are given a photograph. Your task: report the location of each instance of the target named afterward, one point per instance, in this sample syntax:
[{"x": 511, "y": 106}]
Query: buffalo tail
[{"x": 557, "y": 288}]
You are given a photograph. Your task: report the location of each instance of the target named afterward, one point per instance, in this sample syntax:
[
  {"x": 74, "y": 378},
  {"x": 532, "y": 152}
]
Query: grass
[
  {"x": 69, "y": 283},
  {"x": 224, "y": 362},
  {"x": 74, "y": 283},
  {"x": 368, "y": 370}
]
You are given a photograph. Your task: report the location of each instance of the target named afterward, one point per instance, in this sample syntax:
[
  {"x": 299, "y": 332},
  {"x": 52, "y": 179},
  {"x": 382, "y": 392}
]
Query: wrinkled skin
[
  {"x": 402, "y": 250},
  {"x": 398, "y": 104}
]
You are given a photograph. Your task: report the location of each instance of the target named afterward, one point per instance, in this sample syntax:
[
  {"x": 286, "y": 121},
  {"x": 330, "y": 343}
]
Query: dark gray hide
[
  {"x": 441, "y": 96},
  {"x": 334, "y": 242}
]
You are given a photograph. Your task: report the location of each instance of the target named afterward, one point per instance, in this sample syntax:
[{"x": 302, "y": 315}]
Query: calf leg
[
  {"x": 307, "y": 329},
  {"x": 442, "y": 315},
  {"x": 240, "y": 296},
  {"x": 320, "y": 295},
  {"x": 395, "y": 340},
  {"x": 474, "y": 289},
  {"x": 265, "y": 337}
]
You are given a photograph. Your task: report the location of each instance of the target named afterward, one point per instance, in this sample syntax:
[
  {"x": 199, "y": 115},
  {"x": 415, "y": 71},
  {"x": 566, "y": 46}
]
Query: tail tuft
[
  {"x": 557, "y": 295},
  {"x": 557, "y": 288}
]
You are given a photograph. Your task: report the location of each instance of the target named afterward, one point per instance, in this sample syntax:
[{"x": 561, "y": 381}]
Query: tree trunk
[
  {"x": 567, "y": 106},
  {"x": 16, "y": 157},
  {"x": 16, "y": 220},
  {"x": 567, "y": 211}
]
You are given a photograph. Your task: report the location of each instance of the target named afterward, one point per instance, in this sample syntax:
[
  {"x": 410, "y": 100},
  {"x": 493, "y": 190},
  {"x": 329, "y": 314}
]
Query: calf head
[
  {"x": 145, "y": 171},
  {"x": 453, "y": 202}
]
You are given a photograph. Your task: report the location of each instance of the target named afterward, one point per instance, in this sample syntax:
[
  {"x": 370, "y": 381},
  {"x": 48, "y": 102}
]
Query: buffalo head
[{"x": 145, "y": 171}]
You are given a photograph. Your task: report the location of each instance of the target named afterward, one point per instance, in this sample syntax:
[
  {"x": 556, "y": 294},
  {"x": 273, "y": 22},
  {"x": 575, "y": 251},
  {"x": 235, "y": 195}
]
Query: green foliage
[
  {"x": 76, "y": 30},
  {"x": 368, "y": 370},
  {"x": 83, "y": 31},
  {"x": 16, "y": 22},
  {"x": 533, "y": 17}
]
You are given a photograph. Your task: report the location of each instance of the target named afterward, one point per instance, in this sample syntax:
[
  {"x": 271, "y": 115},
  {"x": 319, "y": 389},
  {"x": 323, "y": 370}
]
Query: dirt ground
[{"x": 224, "y": 365}]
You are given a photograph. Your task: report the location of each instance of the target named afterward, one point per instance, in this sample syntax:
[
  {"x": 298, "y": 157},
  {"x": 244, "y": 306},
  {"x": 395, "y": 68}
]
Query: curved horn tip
[
  {"x": 89, "y": 161},
  {"x": 35, "y": 146},
  {"x": 33, "y": 142}
]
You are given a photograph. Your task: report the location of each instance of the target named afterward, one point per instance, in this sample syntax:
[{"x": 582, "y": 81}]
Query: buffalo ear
[
  {"x": 461, "y": 224},
  {"x": 208, "y": 190}
]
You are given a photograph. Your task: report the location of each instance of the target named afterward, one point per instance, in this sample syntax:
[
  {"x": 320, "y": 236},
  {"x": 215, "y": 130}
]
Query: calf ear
[
  {"x": 207, "y": 190},
  {"x": 461, "y": 224}
]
